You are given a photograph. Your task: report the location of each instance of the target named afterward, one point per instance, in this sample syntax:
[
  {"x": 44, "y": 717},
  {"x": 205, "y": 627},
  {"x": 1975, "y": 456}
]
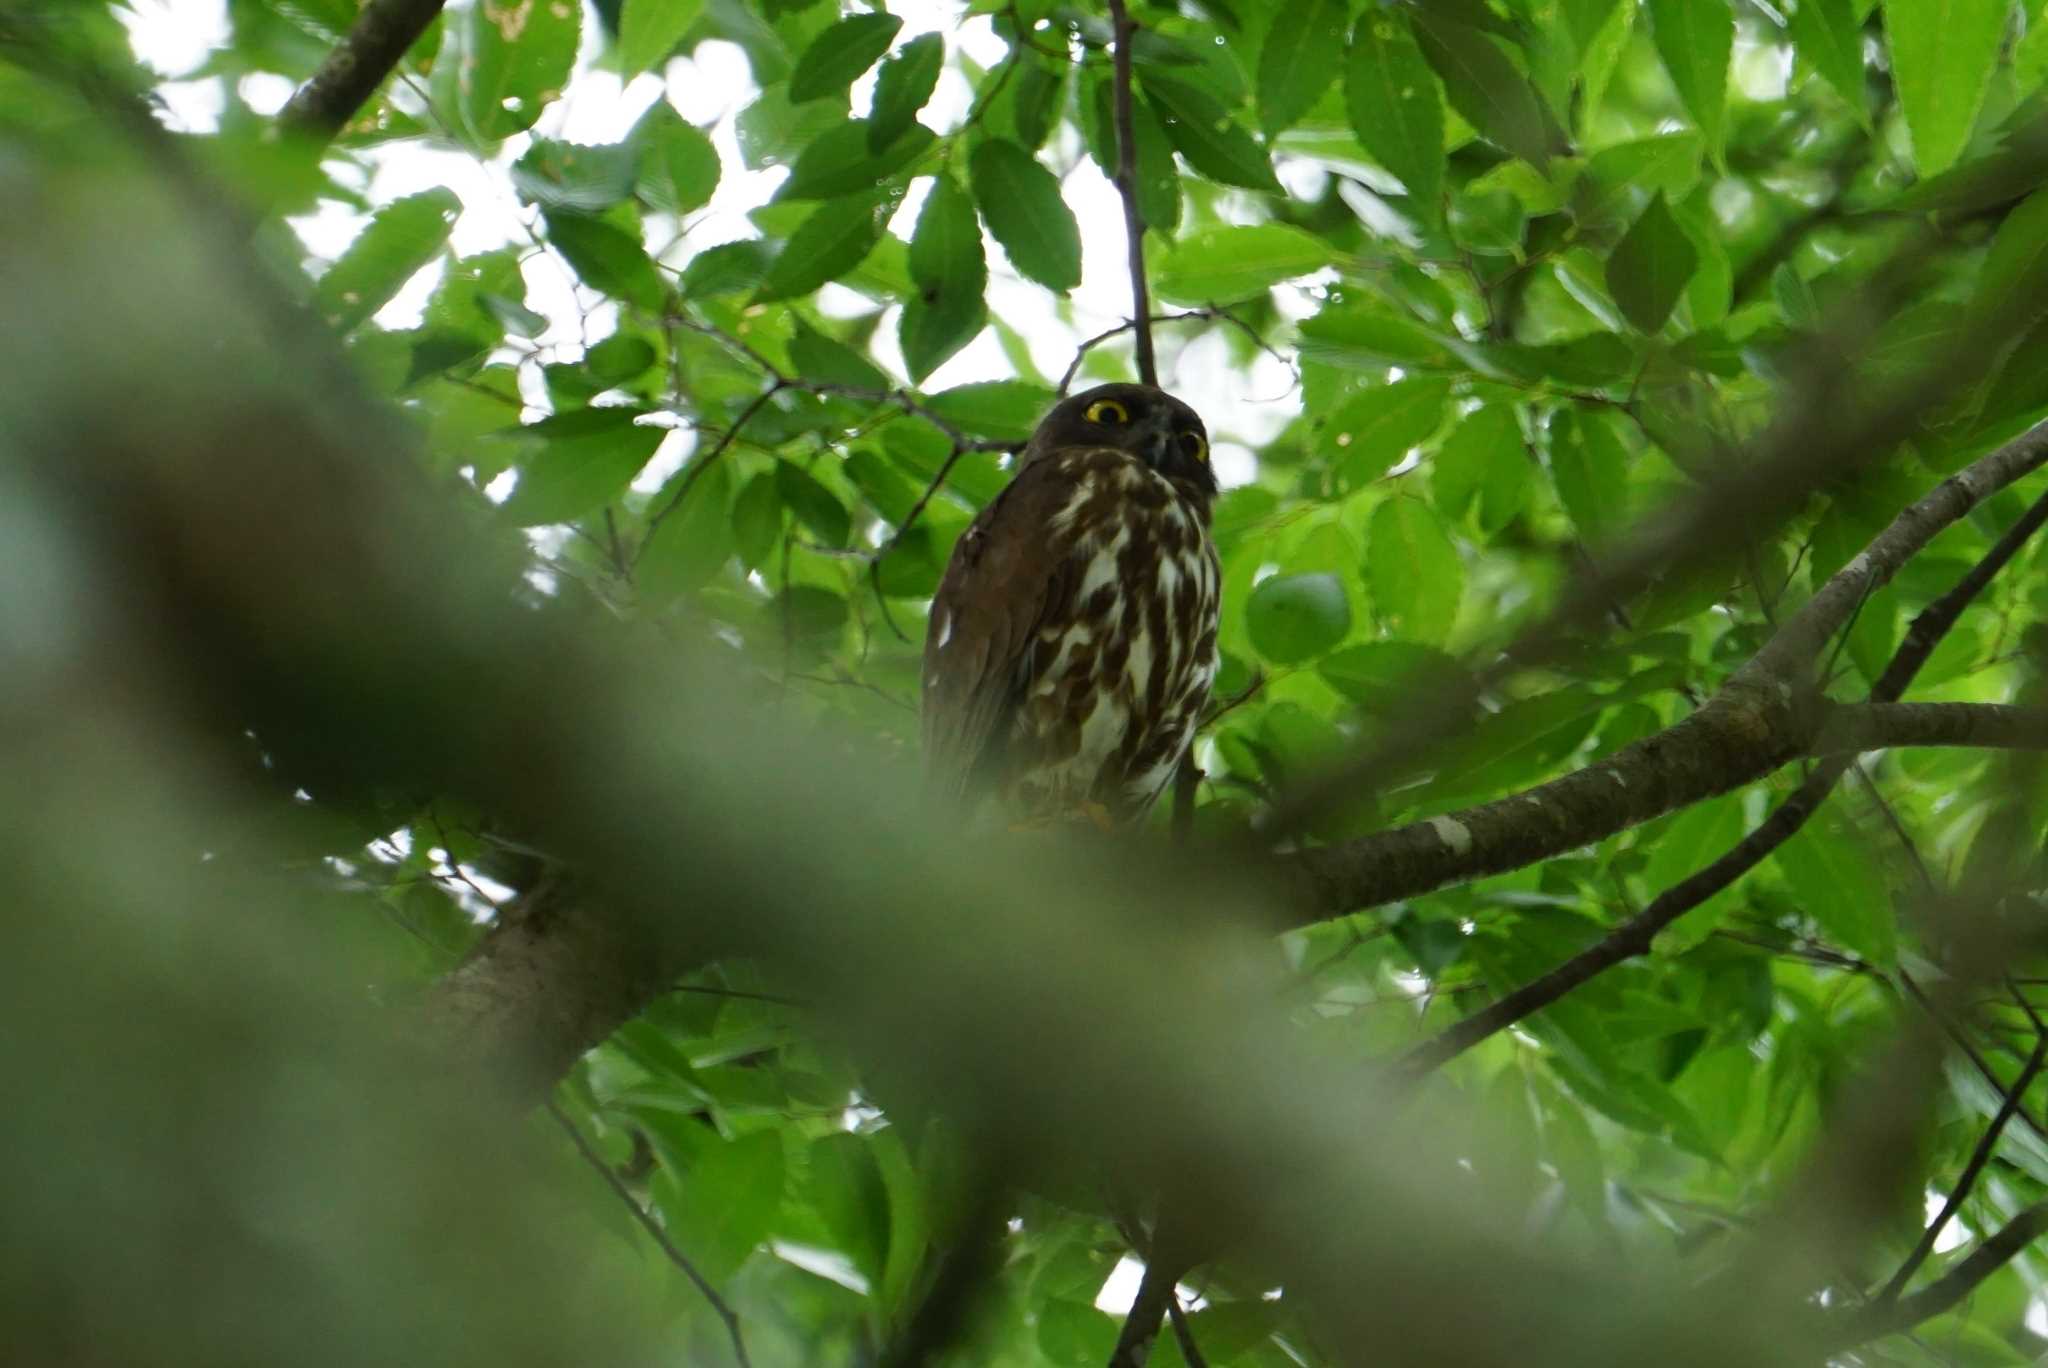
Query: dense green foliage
[{"x": 1531, "y": 270}]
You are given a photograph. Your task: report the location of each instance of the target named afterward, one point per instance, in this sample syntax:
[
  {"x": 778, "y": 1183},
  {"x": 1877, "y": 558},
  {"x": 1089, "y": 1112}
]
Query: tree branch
[
  {"x": 1634, "y": 936},
  {"x": 350, "y": 75},
  {"x": 1757, "y": 721},
  {"x": 1979, "y": 1157},
  {"x": 1127, "y": 187},
  {"x": 654, "y": 1229},
  {"x": 1875, "y": 1320}
]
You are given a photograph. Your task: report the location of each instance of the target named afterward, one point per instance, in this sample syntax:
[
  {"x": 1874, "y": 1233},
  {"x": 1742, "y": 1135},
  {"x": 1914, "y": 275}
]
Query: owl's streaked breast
[{"x": 1123, "y": 659}]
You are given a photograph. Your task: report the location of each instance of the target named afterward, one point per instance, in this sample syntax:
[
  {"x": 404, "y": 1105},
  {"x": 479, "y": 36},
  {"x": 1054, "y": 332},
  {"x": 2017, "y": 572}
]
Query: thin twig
[
  {"x": 1190, "y": 1352},
  {"x": 1874, "y": 1320},
  {"x": 1979, "y": 1157},
  {"x": 1127, "y": 186},
  {"x": 653, "y": 1228},
  {"x": 1209, "y": 314},
  {"x": 704, "y": 463},
  {"x": 1634, "y": 937}
]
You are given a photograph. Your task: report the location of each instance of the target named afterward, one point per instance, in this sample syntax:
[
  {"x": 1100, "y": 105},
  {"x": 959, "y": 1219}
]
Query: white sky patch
[
  {"x": 825, "y": 1263},
  {"x": 1955, "y": 1234},
  {"x": 1246, "y": 403}
]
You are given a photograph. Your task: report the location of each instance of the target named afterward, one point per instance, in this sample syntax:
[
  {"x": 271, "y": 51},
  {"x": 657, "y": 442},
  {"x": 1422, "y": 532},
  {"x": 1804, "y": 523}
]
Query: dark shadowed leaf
[
  {"x": 608, "y": 259},
  {"x": 1649, "y": 267},
  {"x": 400, "y": 238},
  {"x": 815, "y": 506},
  {"x": 1695, "y": 38},
  {"x": 1202, "y": 129},
  {"x": 650, "y": 29},
  {"x": 839, "y": 54},
  {"x": 839, "y": 161},
  {"x": 1303, "y": 52},
  {"x": 828, "y": 244},
  {"x": 950, "y": 270},
  {"x": 1487, "y": 88},
  {"x": 585, "y": 460},
  {"x": 903, "y": 86},
  {"x": 1395, "y": 106},
  {"x": 1022, "y": 204}
]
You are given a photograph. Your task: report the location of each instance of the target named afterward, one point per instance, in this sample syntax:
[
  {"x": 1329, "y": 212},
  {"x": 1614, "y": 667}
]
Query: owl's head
[{"x": 1149, "y": 423}]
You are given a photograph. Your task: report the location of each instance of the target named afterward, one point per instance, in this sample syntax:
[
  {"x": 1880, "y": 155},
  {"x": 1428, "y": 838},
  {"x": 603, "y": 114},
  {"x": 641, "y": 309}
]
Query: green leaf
[
  {"x": 1585, "y": 19},
  {"x": 950, "y": 270},
  {"x": 998, "y": 410},
  {"x": 1841, "y": 885},
  {"x": 1589, "y": 465},
  {"x": 839, "y": 162},
  {"x": 679, "y": 167},
  {"x": 586, "y": 179},
  {"x": 1363, "y": 335},
  {"x": 1198, "y": 124},
  {"x": 726, "y": 1204},
  {"x": 619, "y": 358},
  {"x": 815, "y": 506},
  {"x": 1395, "y": 106},
  {"x": 608, "y": 259},
  {"x": 841, "y": 53},
  {"x": 1381, "y": 676},
  {"x": 1375, "y": 428},
  {"x": 1159, "y": 187},
  {"x": 1649, "y": 267},
  {"x": 1418, "y": 582},
  {"x": 2016, "y": 267},
  {"x": 1022, "y": 204},
  {"x": 828, "y": 244},
  {"x": 1698, "y": 836},
  {"x": 1943, "y": 53},
  {"x": 1293, "y": 618},
  {"x": 1695, "y": 39},
  {"x": 400, "y": 239},
  {"x": 1220, "y": 265},
  {"x": 903, "y": 87},
  {"x": 650, "y": 29},
  {"x": 729, "y": 268},
  {"x": 1483, "y": 461},
  {"x": 1828, "y": 36},
  {"x": 1489, "y": 90},
  {"x": 585, "y": 461},
  {"x": 1303, "y": 51},
  {"x": 519, "y": 55}
]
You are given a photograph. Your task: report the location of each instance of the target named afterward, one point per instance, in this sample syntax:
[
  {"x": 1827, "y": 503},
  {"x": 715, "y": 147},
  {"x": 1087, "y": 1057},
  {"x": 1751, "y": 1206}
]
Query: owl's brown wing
[{"x": 1007, "y": 573}]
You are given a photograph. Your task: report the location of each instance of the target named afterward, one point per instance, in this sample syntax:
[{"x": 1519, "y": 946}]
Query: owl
[{"x": 1073, "y": 638}]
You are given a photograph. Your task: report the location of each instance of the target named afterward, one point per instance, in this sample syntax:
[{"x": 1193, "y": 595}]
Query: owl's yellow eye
[
  {"x": 1194, "y": 446},
  {"x": 1108, "y": 412}
]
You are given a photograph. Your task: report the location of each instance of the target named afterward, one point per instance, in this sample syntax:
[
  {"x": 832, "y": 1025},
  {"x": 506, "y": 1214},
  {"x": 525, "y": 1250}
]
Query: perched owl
[{"x": 1073, "y": 638}]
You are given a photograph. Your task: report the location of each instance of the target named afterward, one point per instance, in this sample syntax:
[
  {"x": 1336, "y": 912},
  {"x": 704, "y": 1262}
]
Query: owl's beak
[{"x": 1155, "y": 439}]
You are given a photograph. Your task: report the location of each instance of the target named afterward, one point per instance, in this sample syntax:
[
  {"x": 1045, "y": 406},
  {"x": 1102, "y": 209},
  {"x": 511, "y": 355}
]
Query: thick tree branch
[
  {"x": 1127, "y": 187},
  {"x": 350, "y": 75},
  {"x": 1760, "y": 719},
  {"x": 1878, "y": 1319},
  {"x": 1634, "y": 936}
]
